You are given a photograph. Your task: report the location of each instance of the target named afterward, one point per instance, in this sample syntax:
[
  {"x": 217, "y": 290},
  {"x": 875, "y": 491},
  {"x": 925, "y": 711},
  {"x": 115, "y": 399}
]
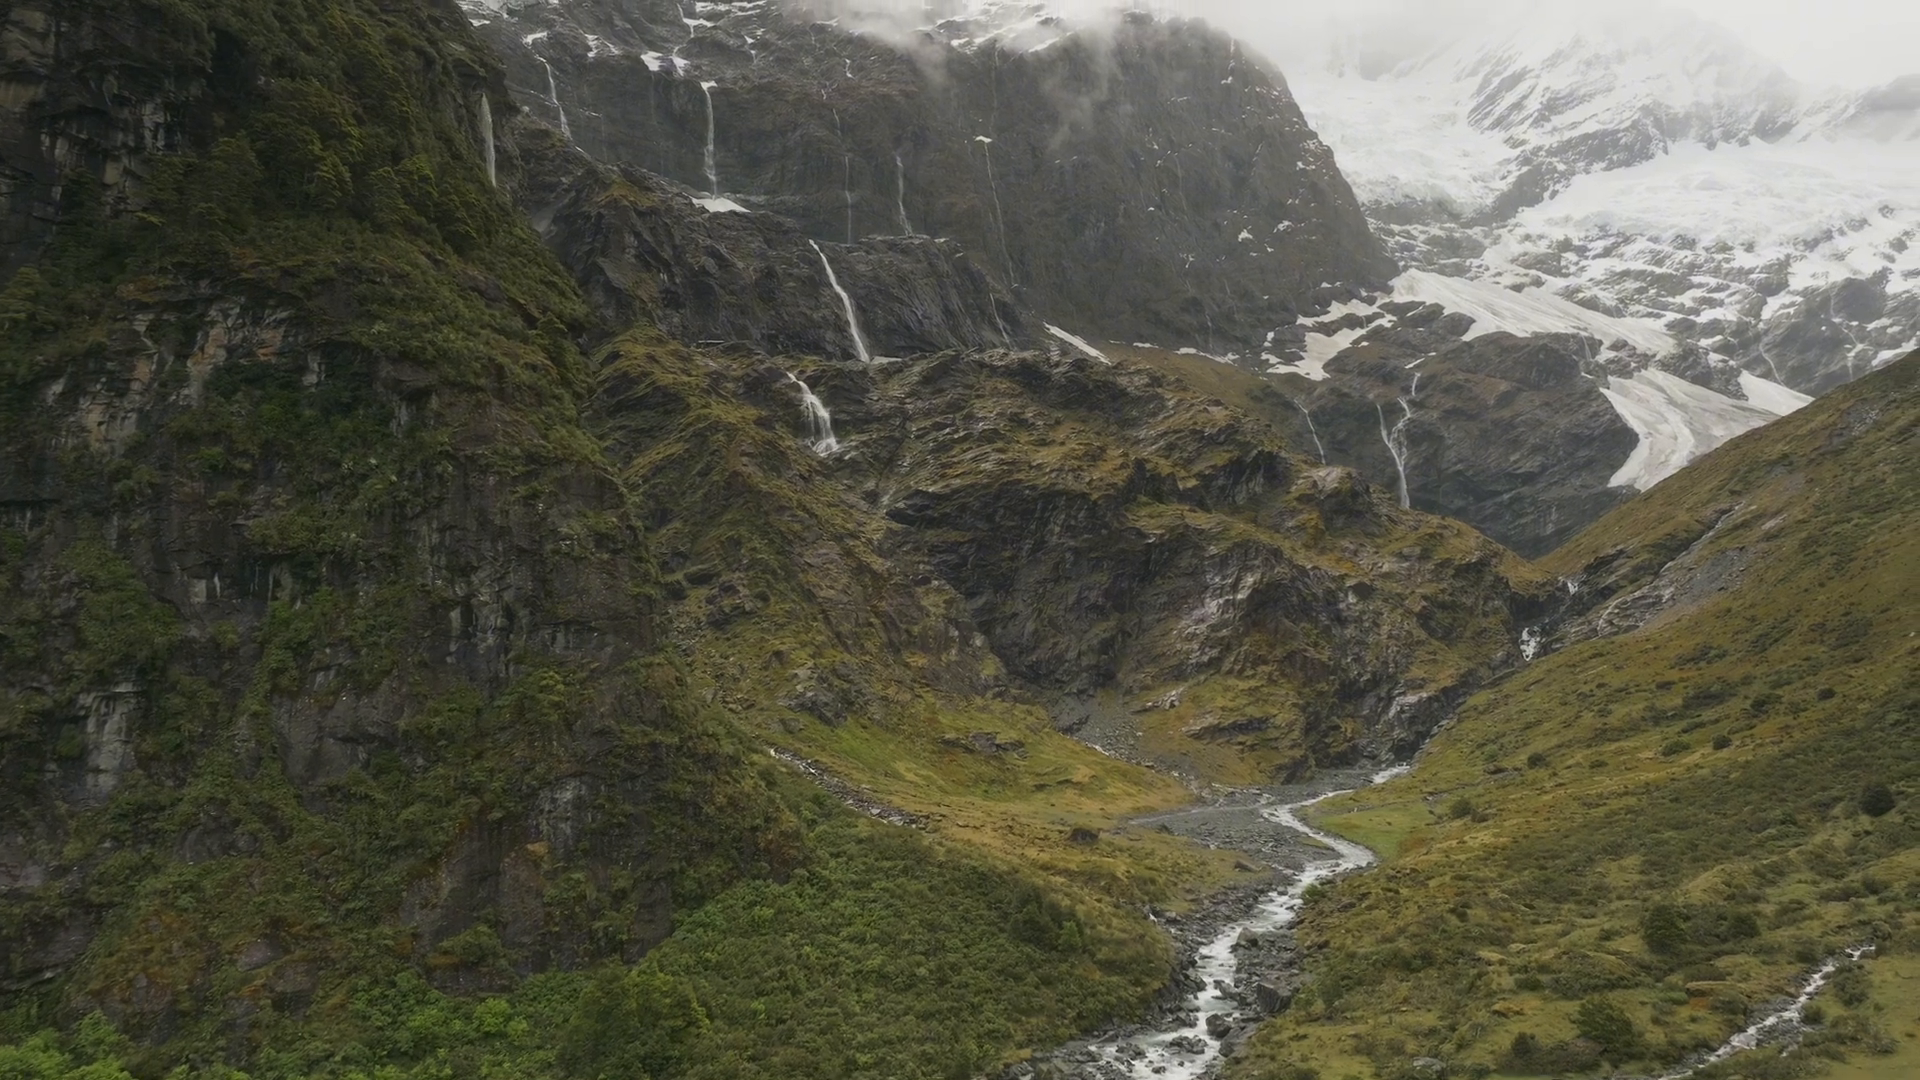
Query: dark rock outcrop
[
  {"x": 646, "y": 251},
  {"x": 1508, "y": 434},
  {"x": 1144, "y": 181}
]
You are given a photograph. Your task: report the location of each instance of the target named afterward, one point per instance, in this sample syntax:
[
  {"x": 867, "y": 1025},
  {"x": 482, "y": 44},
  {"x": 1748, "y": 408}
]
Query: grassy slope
[{"x": 1699, "y": 781}]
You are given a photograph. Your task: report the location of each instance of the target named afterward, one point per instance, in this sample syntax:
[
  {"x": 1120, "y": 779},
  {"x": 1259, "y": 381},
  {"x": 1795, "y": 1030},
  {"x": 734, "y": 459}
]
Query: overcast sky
[
  {"x": 1848, "y": 42},
  {"x": 1839, "y": 42}
]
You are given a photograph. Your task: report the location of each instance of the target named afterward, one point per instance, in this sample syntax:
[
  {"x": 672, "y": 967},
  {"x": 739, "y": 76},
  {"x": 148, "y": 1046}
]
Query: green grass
[{"x": 1670, "y": 821}]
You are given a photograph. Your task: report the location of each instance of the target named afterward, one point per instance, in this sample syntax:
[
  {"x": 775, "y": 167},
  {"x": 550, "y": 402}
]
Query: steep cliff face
[
  {"x": 1145, "y": 181},
  {"x": 1147, "y": 562},
  {"x": 329, "y": 643},
  {"x": 1509, "y": 434},
  {"x": 644, "y": 252}
]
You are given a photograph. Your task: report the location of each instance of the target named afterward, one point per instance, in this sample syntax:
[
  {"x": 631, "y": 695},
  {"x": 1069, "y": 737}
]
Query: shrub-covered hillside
[
  {"x": 1616, "y": 856},
  {"x": 341, "y": 728}
]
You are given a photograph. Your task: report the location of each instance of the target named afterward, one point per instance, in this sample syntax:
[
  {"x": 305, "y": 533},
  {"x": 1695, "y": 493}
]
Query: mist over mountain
[{"x": 957, "y": 540}]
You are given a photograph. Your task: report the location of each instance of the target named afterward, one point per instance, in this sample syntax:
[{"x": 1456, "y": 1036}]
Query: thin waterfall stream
[
  {"x": 1396, "y": 441},
  {"x": 900, "y": 194},
  {"x": 553, "y": 96},
  {"x": 1311, "y": 430},
  {"x": 819, "y": 420},
  {"x": 712, "y": 162},
  {"x": 489, "y": 154},
  {"x": 846, "y": 302},
  {"x": 999, "y": 215}
]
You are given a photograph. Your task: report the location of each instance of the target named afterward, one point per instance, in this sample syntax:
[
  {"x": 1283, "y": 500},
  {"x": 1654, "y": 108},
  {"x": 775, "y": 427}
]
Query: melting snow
[
  {"x": 721, "y": 206},
  {"x": 1676, "y": 421},
  {"x": 1771, "y": 396},
  {"x": 1078, "y": 343},
  {"x": 1533, "y": 311}
]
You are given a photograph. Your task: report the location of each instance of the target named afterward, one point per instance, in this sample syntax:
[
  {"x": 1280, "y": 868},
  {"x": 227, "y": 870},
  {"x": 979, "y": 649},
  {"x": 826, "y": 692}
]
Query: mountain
[
  {"x": 1139, "y": 179},
  {"x": 1701, "y": 791},
  {"x": 419, "y": 656},
  {"x": 1643, "y": 163}
]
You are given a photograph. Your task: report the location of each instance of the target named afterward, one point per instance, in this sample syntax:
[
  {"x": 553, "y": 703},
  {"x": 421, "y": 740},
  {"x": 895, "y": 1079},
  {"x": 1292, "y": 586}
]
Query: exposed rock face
[
  {"x": 1509, "y": 434},
  {"x": 1111, "y": 533},
  {"x": 645, "y": 252},
  {"x": 64, "y": 113},
  {"x": 1148, "y": 181},
  {"x": 302, "y": 616}
]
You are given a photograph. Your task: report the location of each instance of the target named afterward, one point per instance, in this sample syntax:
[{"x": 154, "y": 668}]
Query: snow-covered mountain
[{"x": 1645, "y": 164}]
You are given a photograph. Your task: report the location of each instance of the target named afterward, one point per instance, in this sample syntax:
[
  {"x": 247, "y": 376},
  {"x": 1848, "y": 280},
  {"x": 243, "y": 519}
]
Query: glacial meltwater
[{"x": 1187, "y": 1052}]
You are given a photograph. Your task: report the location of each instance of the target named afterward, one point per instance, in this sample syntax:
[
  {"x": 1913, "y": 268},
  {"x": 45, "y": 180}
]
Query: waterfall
[
  {"x": 1784, "y": 1021},
  {"x": 999, "y": 216},
  {"x": 846, "y": 166},
  {"x": 900, "y": 196},
  {"x": 853, "y": 318},
  {"x": 1834, "y": 318},
  {"x": 486, "y": 140},
  {"x": 819, "y": 420},
  {"x": 1396, "y": 441},
  {"x": 1311, "y": 430},
  {"x": 713, "y": 169},
  {"x": 553, "y": 95}
]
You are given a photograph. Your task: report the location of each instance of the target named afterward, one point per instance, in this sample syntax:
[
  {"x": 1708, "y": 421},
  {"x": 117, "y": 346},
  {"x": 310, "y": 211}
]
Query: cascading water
[
  {"x": 900, "y": 194},
  {"x": 999, "y": 216},
  {"x": 1396, "y": 441},
  {"x": 1311, "y": 430},
  {"x": 1853, "y": 342},
  {"x": 488, "y": 152},
  {"x": 553, "y": 96},
  {"x": 1777, "y": 1023},
  {"x": 819, "y": 420},
  {"x": 853, "y": 317},
  {"x": 846, "y": 169},
  {"x": 1171, "y": 1054},
  {"x": 713, "y": 167}
]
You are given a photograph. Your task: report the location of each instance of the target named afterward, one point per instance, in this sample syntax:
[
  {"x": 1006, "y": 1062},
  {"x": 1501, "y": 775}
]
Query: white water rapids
[
  {"x": 1779, "y": 1021},
  {"x": 1153, "y": 1056}
]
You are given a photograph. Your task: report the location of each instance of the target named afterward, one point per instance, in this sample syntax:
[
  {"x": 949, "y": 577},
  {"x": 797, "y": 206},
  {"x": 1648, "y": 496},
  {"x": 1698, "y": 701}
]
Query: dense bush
[{"x": 1608, "y": 1026}]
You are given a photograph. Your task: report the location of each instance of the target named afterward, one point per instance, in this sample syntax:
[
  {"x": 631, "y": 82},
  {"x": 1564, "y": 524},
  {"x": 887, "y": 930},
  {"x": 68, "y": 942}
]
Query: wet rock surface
[
  {"x": 1267, "y": 970},
  {"x": 1148, "y": 182},
  {"x": 1509, "y": 434}
]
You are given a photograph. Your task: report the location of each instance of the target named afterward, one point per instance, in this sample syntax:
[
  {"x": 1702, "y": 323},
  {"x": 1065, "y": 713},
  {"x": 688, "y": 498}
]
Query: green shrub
[
  {"x": 1607, "y": 1025},
  {"x": 1876, "y": 800},
  {"x": 631, "y": 1024},
  {"x": 1664, "y": 929}
]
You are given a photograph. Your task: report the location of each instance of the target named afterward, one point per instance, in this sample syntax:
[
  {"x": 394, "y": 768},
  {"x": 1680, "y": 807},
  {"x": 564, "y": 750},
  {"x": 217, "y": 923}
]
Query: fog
[{"x": 1824, "y": 42}]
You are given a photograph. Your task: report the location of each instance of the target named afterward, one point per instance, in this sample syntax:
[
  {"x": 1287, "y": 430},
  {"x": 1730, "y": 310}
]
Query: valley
[{"x": 706, "y": 541}]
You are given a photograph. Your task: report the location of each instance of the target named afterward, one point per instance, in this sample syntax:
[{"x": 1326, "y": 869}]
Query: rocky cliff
[
  {"x": 395, "y": 610},
  {"x": 1145, "y": 180},
  {"x": 330, "y": 641}
]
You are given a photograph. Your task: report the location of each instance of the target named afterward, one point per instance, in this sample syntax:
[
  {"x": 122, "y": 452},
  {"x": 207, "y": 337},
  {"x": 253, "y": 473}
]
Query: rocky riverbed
[{"x": 1240, "y": 964}]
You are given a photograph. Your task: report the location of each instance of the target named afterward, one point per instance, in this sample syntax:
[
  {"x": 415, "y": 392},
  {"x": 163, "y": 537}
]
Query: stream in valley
[{"x": 1224, "y": 1000}]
